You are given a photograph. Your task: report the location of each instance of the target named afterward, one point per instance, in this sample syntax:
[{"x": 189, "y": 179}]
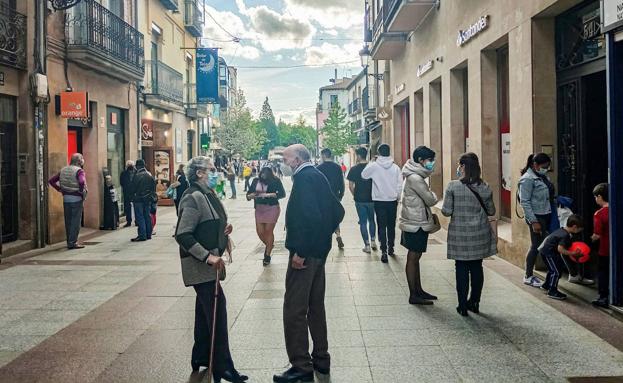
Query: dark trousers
[
  {"x": 143, "y": 219},
  {"x": 386, "y": 223},
  {"x": 603, "y": 273},
  {"x": 535, "y": 242},
  {"x": 553, "y": 272},
  {"x": 127, "y": 209},
  {"x": 73, "y": 220},
  {"x": 303, "y": 311},
  {"x": 232, "y": 184},
  {"x": 247, "y": 185},
  {"x": 465, "y": 270},
  {"x": 204, "y": 311}
]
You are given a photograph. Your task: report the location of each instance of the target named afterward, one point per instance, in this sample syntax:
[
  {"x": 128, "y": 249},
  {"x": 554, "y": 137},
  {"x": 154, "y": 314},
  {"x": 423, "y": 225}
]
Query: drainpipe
[
  {"x": 138, "y": 91},
  {"x": 40, "y": 125}
]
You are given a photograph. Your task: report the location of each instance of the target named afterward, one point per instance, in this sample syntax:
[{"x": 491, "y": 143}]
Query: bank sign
[
  {"x": 611, "y": 14},
  {"x": 472, "y": 31}
]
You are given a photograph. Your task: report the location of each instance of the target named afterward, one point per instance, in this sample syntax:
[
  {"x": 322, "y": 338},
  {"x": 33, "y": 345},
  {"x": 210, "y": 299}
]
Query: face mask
[
  {"x": 430, "y": 165},
  {"x": 212, "y": 182},
  {"x": 543, "y": 171},
  {"x": 459, "y": 174}
]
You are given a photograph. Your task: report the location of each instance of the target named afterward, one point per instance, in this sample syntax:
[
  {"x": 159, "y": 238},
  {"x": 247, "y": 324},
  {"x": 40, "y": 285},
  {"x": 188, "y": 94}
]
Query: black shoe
[
  {"x": 138, "y": 239},
  {"x": 428, "y": 296},
  {"x": 230, "y": 376},
  {"x": 391, "y": 252},
  {"x": 473, "y": 307},
  {"x": 197, "y": 365},
  {"x": 601, "y": 302},
  {"x": 266, "y": 261},
  {"x": 128, "y": 224},
  {"x": 340, "y": 243},
  {"x": 557, "y": 295},
  {"x": 323, "y": 371},
  {"x": 462, "y": 311},
  {"x": 384, "y": 257},
  {"x": 293, "y": 375},
  {"x": 419, "y": 300}
]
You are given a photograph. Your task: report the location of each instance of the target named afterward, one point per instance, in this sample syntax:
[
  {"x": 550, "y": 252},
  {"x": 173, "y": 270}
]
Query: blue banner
[{"x": 207, "y": 76}]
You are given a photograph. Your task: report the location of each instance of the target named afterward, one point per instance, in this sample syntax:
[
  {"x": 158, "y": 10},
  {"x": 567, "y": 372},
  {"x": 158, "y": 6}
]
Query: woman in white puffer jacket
[{"x": 416, "y": 218}]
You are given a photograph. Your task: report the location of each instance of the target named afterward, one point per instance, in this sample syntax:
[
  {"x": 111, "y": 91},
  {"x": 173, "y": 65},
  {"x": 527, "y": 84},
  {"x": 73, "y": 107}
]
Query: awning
[{"x": 373, "y": 126}]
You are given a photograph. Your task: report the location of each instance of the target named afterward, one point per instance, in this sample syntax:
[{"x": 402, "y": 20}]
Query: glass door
[
  {"x": 8, "y": 171},
  {"x": 116, "y": 148}
]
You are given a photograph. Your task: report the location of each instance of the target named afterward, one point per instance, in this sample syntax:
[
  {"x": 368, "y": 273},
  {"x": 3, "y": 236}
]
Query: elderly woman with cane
[{"x": 203, "y": 235}]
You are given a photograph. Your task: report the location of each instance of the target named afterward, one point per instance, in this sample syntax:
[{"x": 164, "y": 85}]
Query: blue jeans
[
  {"x": 365, "y": 211},
  {"x": 141, "y": 215}
]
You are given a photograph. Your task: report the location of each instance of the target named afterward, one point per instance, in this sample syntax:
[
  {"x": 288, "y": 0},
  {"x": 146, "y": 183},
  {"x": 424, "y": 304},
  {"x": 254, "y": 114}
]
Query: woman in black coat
[{"x": 266, "y": 191}]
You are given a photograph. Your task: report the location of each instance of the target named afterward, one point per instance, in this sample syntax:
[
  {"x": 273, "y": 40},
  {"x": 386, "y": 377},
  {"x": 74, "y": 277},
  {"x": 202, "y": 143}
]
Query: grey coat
[{"x": 469, "y": 235}]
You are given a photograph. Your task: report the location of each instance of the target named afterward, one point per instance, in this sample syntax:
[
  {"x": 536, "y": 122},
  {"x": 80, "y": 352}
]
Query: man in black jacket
[
  {"x": 126, "y": 185},
  {"x": 312, "y": 215},
  {"x": 334, "y": 175},
  {"x": 144, "y": 189}
]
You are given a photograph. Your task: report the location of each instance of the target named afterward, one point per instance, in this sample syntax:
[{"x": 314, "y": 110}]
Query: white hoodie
[{"x": 386, "y": 179}]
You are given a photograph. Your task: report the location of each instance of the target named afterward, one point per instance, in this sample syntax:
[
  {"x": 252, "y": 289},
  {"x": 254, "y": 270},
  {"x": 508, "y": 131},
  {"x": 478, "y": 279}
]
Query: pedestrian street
[{"x": 118, "y": 311}]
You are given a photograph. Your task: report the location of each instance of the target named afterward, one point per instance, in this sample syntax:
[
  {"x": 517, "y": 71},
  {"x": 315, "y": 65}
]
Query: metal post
[{"x": 40, "y": 122}]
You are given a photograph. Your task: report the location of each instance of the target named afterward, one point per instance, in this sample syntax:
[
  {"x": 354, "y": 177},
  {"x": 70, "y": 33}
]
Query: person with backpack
[
  {"x": 312, "y": 215},
  {"x": 416, "y": 219},
  {"x": 468, "y": 202}
]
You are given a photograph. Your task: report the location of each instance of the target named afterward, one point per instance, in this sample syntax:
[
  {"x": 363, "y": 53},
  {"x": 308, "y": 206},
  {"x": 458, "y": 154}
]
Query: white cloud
[
  {"x": 331, "y": 53},
  {"x": 277, "y": 31},
  {"x": 292, "y": 115},
  {"x": 332, "y": 14}
]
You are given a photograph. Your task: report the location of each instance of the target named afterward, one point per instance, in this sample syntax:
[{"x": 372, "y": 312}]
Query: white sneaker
[
  {"x": 366, "y": 249},
  {"x": 577, "y": 279},
  {"x": 373, "y": 245},
  {"x": 532, "y": 281}
]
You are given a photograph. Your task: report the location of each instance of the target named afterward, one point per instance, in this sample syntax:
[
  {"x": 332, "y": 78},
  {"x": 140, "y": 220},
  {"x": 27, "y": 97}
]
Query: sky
[{"x": 286, "y": 33}]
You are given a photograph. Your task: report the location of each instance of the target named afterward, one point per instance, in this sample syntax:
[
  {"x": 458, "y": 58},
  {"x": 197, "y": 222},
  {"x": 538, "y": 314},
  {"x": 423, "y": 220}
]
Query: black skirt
[{"x": 415, "y": 241}]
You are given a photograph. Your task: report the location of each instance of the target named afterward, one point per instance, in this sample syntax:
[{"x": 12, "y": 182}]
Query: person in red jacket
[{"x": 601, "y": 234}]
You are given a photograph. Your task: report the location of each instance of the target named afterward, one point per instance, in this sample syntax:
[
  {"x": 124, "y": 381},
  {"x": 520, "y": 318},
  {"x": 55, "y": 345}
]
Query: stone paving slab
[{"x": 118, "y": 312}]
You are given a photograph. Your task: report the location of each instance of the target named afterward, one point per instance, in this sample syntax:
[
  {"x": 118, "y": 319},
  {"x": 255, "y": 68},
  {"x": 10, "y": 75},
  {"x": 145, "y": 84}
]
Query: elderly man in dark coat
[{"x": 312, "y": 216}]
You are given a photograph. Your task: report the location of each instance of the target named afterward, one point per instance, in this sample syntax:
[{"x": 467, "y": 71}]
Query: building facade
[{"x": 501, "y": 79}]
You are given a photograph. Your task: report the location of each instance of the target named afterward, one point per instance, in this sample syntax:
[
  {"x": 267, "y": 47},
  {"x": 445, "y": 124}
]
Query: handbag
[
  {"x": 493, "y": 223},
  {"x": 436, "y": 223}
]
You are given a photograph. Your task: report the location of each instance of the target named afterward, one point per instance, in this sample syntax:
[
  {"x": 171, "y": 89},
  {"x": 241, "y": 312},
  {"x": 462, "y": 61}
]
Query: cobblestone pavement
[{"x": 118, "y": 312}]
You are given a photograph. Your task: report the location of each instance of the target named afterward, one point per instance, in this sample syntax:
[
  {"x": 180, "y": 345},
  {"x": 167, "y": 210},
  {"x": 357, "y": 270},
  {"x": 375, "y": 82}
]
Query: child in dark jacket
[
  {"x": 553, "y": 247},
  {"x": 601, "y": 234}
]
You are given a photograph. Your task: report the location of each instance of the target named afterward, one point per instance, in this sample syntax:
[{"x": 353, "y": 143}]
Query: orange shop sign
[{"x": 75, "y": 104}]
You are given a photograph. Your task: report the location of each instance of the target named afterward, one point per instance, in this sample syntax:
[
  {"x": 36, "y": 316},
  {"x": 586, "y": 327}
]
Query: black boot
[
  {"x": 230, "y": 376},
  {"x": 293, "y": 375}
]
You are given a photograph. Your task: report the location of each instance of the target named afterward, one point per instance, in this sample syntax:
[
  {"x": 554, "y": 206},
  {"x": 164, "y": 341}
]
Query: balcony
[
  {"x": 171, "y": 5},
  {"x": 12, "y": 38},
  {"x": 363, "y": 137},
  {"x": 102, "y": 41},
  {"x": 386, "y": 45},
  {"x": 164, "y": 86},
  {"x": 354, "y": 107},
  {"x": 193, "y": 109},
  {"x": 193, "y": 18},
  {"x": 407, "y": 15}
]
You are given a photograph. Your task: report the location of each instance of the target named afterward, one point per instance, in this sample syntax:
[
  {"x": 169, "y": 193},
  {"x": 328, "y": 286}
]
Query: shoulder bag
[{"x": 493, "y": 223}]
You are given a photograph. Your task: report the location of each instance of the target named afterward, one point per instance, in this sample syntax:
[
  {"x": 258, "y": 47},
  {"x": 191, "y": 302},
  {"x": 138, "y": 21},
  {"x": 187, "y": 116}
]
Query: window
[{"x": 333, "y": 100}]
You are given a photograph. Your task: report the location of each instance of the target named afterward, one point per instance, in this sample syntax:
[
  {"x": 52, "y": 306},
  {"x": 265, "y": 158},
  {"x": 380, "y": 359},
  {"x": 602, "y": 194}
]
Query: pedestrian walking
[
  {"x": 180, "y": 185},
  {"x": 386, "y": 188},
  {"x": 416, "y": 219},
  {"x": 111, "y": 206},
  {"x": 126, "y": 187},
  {"x": 601, "y": 235},
  {"x": 72, "y": 184},
  {"x": 468, "y": 202},
  {"x": 343, "y": 168},
  {"x": 335, "y": 176},
  {"x": 231, "y": 177},
  {"x": 266, "y": 191},
  {"x": 144, "y": 186},
  {"x": 312, "y": 215},
  {"x": 203, "y": 235},
  {"x": 246, "y": 174},
  {"x": 362, "y": 194}
]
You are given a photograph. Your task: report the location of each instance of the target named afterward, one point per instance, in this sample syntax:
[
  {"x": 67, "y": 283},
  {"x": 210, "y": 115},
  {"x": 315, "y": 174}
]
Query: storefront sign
[
  {"x": 207, "y": 76},
  {"x": 147, "y": 133},
  {"x": 472, "y": 31},
  {"x": 611, "y": 14},
  {"x": 74, "y": 104},
  {"x": 591, "y": 28},
  {"x": 400, "y": 88},
  {"x": 424, "y": 68},
  {"x": 506, "y": 161},
  {"x": 162, "y": 166},
  {"x": 113, "y": 118}
]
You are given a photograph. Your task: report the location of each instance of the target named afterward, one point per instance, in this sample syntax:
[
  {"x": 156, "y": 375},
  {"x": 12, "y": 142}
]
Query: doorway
[
  {"x": 116, "y": 148},
  {"x": 8, "y": 167},
  {"x": 402, "y": 133}
]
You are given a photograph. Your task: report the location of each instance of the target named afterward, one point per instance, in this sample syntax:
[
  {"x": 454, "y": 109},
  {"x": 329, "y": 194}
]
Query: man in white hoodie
[{"x": 386, "y": 188}]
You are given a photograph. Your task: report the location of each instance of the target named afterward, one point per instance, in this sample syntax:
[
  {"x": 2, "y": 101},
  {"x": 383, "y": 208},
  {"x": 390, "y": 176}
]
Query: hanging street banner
[{"x": 207, "y": 76}]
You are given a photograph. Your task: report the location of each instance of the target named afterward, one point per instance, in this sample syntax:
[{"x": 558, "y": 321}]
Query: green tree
[
  {"x": 238, "y": 134},
  {"x": 268, "y": 125},
  {"x": 337, "y": 133}
]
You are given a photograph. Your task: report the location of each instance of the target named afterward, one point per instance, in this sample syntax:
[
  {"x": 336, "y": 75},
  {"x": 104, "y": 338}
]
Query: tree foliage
[
  {"x": 297, "y": 133},
  {"x": 337, "y": 133},
  {"x": 238, "y": 134},
  {"x": 268, "y": 125}
]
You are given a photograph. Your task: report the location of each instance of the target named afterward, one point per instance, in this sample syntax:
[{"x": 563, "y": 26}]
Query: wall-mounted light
[{"x": 166, "y": 133}]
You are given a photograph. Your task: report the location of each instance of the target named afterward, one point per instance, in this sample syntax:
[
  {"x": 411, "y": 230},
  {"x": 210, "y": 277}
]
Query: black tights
[{"x": 412, "y": 270}]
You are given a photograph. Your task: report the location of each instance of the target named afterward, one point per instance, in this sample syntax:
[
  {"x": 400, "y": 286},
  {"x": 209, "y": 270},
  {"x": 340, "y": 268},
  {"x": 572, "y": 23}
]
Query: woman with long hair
[
  {"x": 266, "y": 190},
  {"x": 469, "y": 204}
]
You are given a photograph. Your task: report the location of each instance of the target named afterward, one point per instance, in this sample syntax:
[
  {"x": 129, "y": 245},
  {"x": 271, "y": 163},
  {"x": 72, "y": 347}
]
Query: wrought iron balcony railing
[
  {"x": 193, "y": 109},
  {"x": 171, "y": 5},
  {"x": 98, "y": 34},
  {"x": 193, "y": 18},
  {"x": 163, "y": 81},
  {"x": 12, "y": 38}
]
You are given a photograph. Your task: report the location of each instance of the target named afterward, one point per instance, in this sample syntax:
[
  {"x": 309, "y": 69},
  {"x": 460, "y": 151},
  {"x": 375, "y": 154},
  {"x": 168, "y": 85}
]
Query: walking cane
[{"x": 211, "y": 365}]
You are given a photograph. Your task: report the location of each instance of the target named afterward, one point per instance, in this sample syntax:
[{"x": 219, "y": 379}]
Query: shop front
[
  {"x": 8, "y": 168},
  {"x": 157, "y": 148}
]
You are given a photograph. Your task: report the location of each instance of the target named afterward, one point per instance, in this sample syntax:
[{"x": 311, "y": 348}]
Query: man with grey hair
[
  {"x": 312, "y": 216},
  {"x": 71, "y": 182},
  {"x": 127, "y": 175}
]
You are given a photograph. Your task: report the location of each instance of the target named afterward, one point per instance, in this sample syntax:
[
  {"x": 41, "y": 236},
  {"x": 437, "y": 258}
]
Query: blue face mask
[
  {"x": 430, "y": 165},
  {"x": 543, "y": 171}
]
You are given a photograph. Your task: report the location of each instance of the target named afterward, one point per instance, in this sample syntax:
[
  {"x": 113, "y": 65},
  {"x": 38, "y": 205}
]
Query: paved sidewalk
[{"x": 118, "y": 312}]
